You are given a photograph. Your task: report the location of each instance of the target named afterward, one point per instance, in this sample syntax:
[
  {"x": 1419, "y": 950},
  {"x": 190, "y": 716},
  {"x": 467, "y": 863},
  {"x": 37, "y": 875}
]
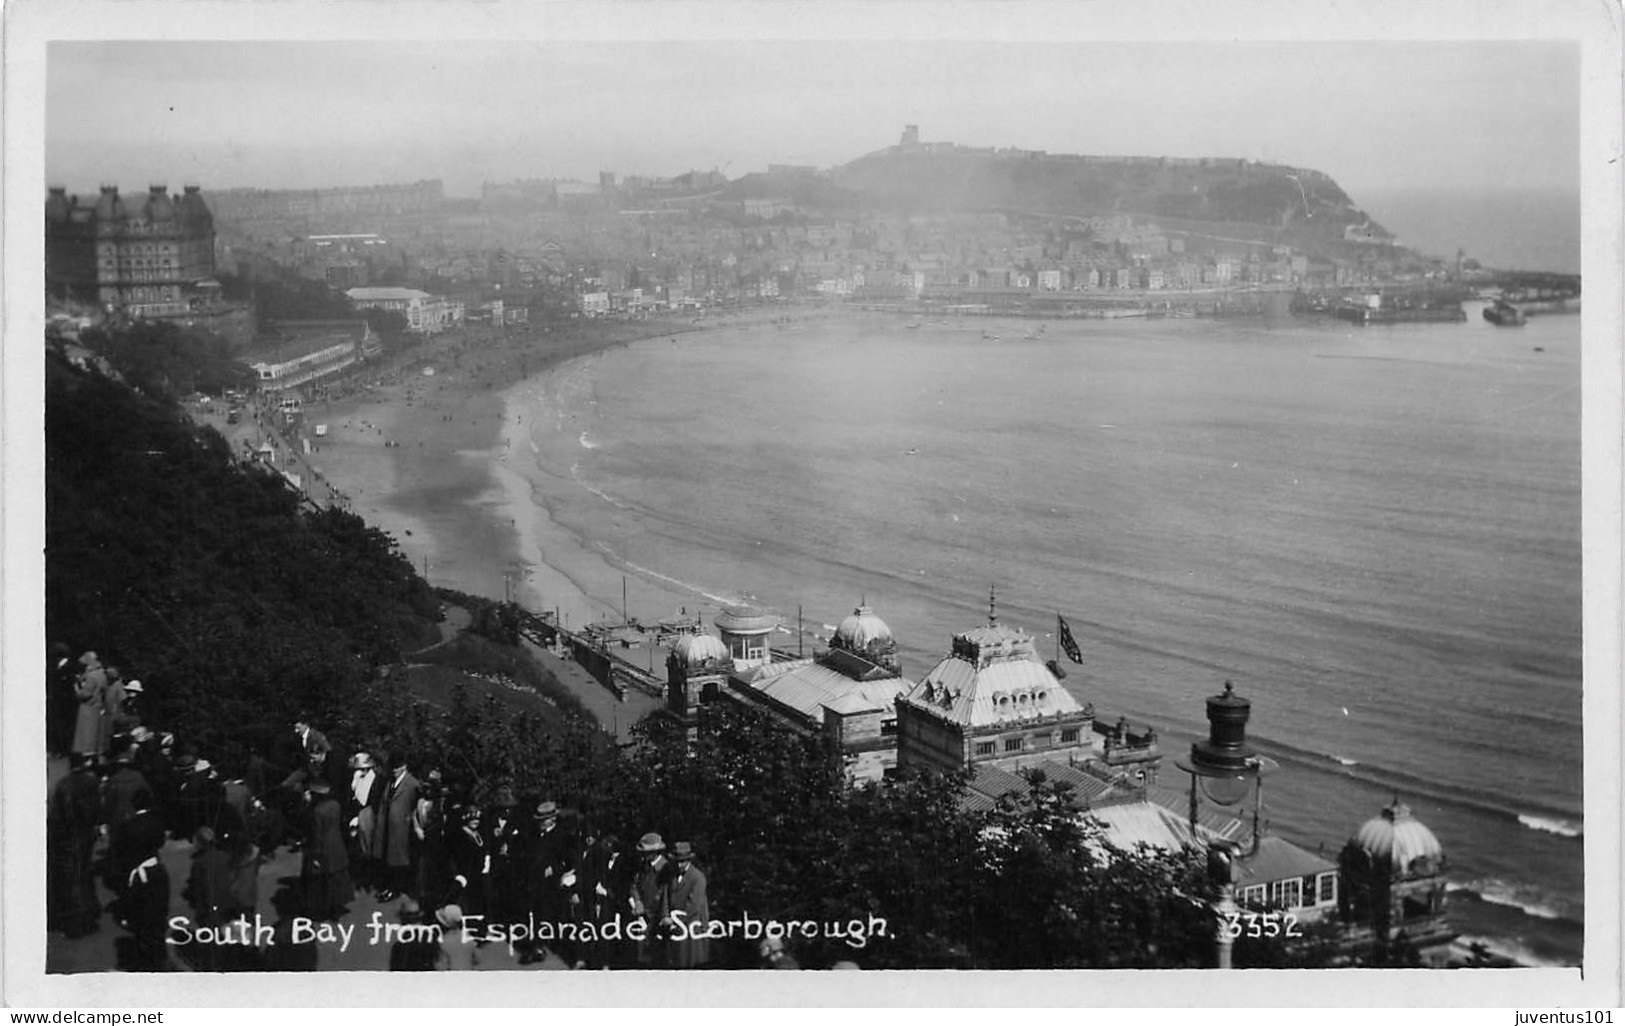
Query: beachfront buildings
[
  {"x": 993, "y": 701},
  {"x": 307, "y": 351},
  {"x": 425, "y": 314},
  {"x": 847, "y": 692},
  {"x": 150, "y": 256}
]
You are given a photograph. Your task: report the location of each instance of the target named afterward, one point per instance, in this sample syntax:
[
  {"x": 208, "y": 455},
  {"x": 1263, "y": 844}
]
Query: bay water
[{"x": 1373, "y": 532}]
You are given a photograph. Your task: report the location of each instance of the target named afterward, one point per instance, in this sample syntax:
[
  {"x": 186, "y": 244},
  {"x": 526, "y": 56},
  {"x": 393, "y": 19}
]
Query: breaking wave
[
  {"x": 1560, "y": 827},
  {"x": 1499, "y": 892}
]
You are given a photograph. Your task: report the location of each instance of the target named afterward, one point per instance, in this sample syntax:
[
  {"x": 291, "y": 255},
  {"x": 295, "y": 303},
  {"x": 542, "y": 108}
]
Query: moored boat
[{"x": 1503, "y": 314}]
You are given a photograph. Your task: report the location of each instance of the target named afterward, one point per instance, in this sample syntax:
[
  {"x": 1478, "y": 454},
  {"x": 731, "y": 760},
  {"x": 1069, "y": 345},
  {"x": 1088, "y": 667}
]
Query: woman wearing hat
[
  {"x": 470, "y": 859},
  {"x": 364, "y": 800},
  {"x": 89, "y": 689}
]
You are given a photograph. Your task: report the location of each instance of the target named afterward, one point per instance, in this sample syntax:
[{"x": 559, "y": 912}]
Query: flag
[{"x": 1068, "y": 643}]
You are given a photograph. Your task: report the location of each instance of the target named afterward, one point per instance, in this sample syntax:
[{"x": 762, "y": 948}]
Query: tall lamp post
[{"x": 1225, "y": 770}]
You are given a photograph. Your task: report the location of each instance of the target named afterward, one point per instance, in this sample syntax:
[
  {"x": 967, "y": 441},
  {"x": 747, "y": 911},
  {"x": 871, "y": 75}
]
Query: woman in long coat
[
  {"x": 325, "y": 869},
  {"x": 90, "y": 729}
]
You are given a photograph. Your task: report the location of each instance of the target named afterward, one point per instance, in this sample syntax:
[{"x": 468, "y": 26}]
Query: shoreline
[
  {"x": 438, "y": 461},
  {"x": 585, "y": 590}
]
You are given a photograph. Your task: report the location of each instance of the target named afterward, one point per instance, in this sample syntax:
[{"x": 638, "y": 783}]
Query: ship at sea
[
  {"x": 1377, "y": 308},
  {"x": 1504, "y": 315}
]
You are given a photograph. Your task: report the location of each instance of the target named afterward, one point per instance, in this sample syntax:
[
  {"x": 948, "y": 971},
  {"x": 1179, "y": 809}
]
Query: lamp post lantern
[{"x": 1225, "y": 769}]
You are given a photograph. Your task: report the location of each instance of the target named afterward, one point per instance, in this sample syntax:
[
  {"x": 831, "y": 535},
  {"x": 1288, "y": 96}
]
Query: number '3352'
[{"x": 1262, "y": 924}]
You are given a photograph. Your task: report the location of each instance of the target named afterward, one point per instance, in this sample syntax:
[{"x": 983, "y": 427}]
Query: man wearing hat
[
  {"x": 648, "y": 887},
  {"x": 129, "y": 714},
  {"x": 546, "y": 862},
  {"x": 683, "y": 900},
  {"x": 398, "y": 846},
  {"x": 71, "y": 828},
  {"x": 119, "y": 792},
  {"x": 208, "y": 891},
  {"x": 504, "y": 840},
  {"x": 143, "y": 909},
  {"x": 137, "y": 838}
]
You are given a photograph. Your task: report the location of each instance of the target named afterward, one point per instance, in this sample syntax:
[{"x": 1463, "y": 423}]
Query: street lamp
[{"x": 1225, "y": 769}]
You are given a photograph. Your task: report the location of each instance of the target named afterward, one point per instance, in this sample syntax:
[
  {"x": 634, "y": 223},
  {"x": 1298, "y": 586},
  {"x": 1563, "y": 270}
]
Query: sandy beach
[{"x": 431, "y": 449}]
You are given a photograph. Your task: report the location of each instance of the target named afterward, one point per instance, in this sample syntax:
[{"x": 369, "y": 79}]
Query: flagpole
[{"x": 1057, "y": 638}]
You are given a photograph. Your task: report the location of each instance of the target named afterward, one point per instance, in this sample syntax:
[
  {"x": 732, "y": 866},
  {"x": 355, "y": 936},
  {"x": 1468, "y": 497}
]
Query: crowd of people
[{"x": 447, "y": 854}]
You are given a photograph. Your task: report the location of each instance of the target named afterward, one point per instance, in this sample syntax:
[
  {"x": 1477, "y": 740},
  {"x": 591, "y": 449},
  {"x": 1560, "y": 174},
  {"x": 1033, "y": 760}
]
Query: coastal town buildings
[
  {"x": 302, "y": 352},
  {"x": 425, "y": 314}
]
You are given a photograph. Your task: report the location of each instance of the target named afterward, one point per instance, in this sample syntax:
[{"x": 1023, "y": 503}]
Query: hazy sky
[{"x": 1374, "y": 115}]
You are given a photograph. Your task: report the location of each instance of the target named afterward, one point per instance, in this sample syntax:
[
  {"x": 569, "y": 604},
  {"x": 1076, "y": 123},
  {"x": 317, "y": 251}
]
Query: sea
[
  {"x": 1522, "y": 229},
  {"x": 1373, "y": 532}
]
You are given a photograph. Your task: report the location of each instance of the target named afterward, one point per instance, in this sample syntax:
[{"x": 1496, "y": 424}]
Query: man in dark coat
[
  {"x": 399, "y": 846},
  {"x": 60, "y": 700},
  {"x": 144, "y": 911},
  {"x": 208, "y": 891},
  {"x": 503, "y": 841},
  {"x": 325, "y": 868},
  {"x": 683, "y": 900},
  {"x": 136, "y": 839},
  {"x": 648, "y": 890},
  {"x": 547, "y": 858},
  {"x": 123, "y": 784},
  {"x": 187, "y": 802},
  {"x": 128, "y": 716},
  {"x": 605, "y": 886},
  {"x": 311, "y": 741},
  {"x": 71, "y": 828}
]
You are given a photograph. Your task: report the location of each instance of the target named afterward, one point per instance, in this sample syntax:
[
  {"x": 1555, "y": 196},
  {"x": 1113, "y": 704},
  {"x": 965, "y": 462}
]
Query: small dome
[
  {"x": 159, "y": 206},
  {"x": 746, "y": 620},
  {"x": 1399, "y": 837},
  {"x": 862, "y": 629},
  {"x": 696, "y": 649}
]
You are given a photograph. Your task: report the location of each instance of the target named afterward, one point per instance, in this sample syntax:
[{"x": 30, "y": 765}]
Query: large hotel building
[{"x": 146, "y": 256}]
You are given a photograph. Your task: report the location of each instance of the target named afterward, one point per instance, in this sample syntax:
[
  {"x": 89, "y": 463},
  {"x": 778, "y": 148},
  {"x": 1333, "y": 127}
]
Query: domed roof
[
  {"x": 695, "y": 649},
  {"x": 861, "y": 629},
  {"x": 1399, "y": 837},
  {"x": 746, "y": 620},
  {"x": 159, "y": 207}
]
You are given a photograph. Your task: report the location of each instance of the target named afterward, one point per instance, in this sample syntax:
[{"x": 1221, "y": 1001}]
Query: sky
[{"x": 1374, "y": 115}]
